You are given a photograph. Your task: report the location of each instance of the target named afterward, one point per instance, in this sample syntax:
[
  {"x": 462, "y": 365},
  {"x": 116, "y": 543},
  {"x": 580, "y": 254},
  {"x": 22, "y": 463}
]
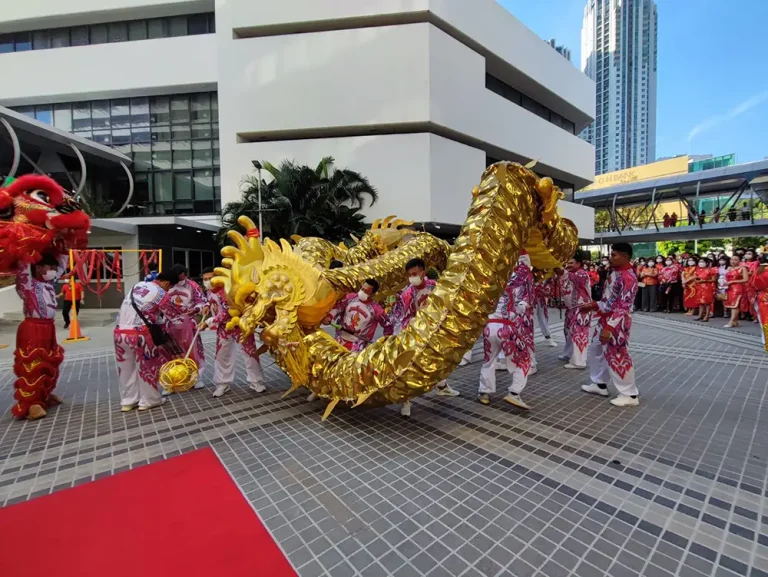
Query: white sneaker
[
  {"x": 594, "y": 389},
  {"x": 501, "y": 366},
  {"x": 199, "y": 385},
  {"x": 257, "y": 387},
  {"x": 533, "y": 371},
  {"x": 515, "y": 400},
  {"x": 577, "y": 367},
  {"x": 563, "y": 358},
  {"x": 551, "y": 342},
  {"x": 624, "y": 401},
  {"x": 148, "y": 407},
  {"x": 312, "y": 397},
  {"x": 165, "y": 392},
  {"x": 220, "y": 390},
  {"x": 405, "y": 410},
  {"x": 447, "y": 391},
  {"x": 463, "y": 363}
]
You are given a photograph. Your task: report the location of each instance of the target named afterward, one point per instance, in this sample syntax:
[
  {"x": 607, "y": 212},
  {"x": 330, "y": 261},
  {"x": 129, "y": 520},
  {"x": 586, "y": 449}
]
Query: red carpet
[{"x": 184, "y": 516}]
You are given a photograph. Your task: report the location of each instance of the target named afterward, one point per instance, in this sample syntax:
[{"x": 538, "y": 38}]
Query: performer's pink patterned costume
[
  {"x": 189, "y": 300},
  {"x": 409, "y": 301},
  {"x": 226, "y": 345},
  {"x": 575, "y": 291},
  {"x": 510, "y": 329},
  {"x": 358, "y": 321},
  {"x": 138, "y": 359},
  {"x": 611, "y": 362}
]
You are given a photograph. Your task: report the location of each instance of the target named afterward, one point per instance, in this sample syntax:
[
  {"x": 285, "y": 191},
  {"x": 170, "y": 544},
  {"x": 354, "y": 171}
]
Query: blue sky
[{"x": 713, "y": 70}]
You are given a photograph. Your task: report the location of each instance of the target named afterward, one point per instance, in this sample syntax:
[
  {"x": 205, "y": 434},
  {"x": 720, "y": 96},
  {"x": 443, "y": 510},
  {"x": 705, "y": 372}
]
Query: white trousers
[
  {"x": 134, "y": 390},
  {"x": 602, "y": 373},
  {"x": 542, "y": 320},
  {"x": 488, "y": 370},
  {"x": 226, "y": 362},
  {"x": 577, "y": 358}
]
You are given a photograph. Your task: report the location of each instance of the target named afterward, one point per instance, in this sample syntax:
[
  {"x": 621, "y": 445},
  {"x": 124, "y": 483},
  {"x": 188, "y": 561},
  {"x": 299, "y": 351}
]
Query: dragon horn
[
  {"x": 329, "y": 408},
  {"x": 386, "y": 221},
  {"x": 246, "y": 222},
  {"x": 376, "y": 224},
  {"x": 531, "y": 164}
]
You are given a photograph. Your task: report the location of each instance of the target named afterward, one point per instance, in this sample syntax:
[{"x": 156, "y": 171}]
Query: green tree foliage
[{"x": 323, "y": 201}]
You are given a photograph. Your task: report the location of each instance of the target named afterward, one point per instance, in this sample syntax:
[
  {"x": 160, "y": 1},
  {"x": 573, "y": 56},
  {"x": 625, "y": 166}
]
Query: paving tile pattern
[{"x": 575, "y": 487}]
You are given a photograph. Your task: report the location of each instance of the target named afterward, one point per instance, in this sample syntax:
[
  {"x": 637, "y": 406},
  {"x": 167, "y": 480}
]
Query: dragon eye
[{"x": 40, "y": 196}]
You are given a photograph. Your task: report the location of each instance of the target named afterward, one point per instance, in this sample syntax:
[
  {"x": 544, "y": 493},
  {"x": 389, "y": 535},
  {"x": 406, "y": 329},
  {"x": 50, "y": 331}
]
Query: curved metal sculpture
[{"x": 288, "y": 292}]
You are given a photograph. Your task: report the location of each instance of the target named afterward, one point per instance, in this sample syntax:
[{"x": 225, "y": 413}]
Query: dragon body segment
[{"x": 512, "y": 210}]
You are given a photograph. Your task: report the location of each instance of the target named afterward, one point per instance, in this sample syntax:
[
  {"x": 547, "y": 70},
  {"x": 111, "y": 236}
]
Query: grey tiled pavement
[{"x": 575, "y": 487}]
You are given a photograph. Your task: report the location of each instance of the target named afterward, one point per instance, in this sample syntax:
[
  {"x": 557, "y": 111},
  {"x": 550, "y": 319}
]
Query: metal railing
[{"x": 733, "y": 215}]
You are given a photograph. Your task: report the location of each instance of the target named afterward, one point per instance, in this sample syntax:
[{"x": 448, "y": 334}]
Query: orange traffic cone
[{"x": 75, "y": 335}]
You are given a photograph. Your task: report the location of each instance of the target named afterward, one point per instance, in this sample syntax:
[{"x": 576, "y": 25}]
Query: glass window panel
[
  {"x": 79, "y": 36},
  {"x": 215, "y": 129},
  {"x": 198, "y": 24},
  {"x": 6, "y": 43},
  {"x": 161, "y": 155},
  {"x": 216, "y": 177},
  {"x": 208, "y": 260},
  {"x": 103, "y": 137},
  {"x": 182, "y": 184},
  {"x": 182, "y": 154},
  {"x": 41, "y": 40},
  {"x": 161, "y": 134},
  {"x": 159, "y": 110},
  {"x": 216, "y": 156},
  {"x": 84, "y": 133},
  {"x": 214, "y": 106},
  {"x": 157, "y": 28},
  {"x": 99, "y": 34},
  {"x": 142, "y": 157},
  {"x": 140, "y": 134},
  {"x": 180, "y": 133},
  {"x": 202, "y": 155},
  {"x": 201, "y": 131},
  {"x": 163, "y": 187},
  {"x": 139, "y": 111},
  {"x": 122, "y": 136},
  {"x": 100, "y": 114},
  {"x": 23, "y": 41},
  {"x": 177, "y": 26},
  {"x": 195, "y": 263},
  {"x": 212, "y": 22},
  {"x": 200, "y": 104},
  {"x": 44, "y": 113},
  {"x": 203, "y": 184},
  {"x": 62, "y": 117},
  {"x": 118, "y": 32},
  {"x": 179, "y": 109},
  {"x": 60, "y": 37},
  {"x": 137, "y": 30},
  {"x": 124, "y": 148},
  {"x": 81, "y": 116},
  {"x": 121, "y": 113}
]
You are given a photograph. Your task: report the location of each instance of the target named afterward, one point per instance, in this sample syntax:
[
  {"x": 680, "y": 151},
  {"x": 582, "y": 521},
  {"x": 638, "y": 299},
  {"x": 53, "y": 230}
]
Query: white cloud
[{"x": 713, "y": 121}]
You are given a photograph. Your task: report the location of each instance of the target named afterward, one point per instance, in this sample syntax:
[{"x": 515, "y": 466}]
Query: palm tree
[{"x": 323, "y": 201}]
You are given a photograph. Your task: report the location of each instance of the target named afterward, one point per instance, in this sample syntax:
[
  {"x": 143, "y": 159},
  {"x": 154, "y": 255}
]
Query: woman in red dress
[
  {"x": 689, "y": 288},
  {"x": 706, "y": 279},
  {"x": 759, "y": 282},
  {"x": 750, "y": 294},
  {"x": 736, "y": 280}
]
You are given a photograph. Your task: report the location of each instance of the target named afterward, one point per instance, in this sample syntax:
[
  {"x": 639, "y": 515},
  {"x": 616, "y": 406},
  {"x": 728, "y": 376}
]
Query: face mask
[
  {"x": 749, "y": 256},
  {"x": 642, "y": 263},
  {"x": 669, "y": 263},
  {"x": 605, "y": 262},
  {"x": 207, "y": 285},
  {"x": 659, "y": 260},
  {"x": 363, "y": 296},
  {"x": 702, "y": 264},
  {"x": 723, "y": 263},
  {"x": 49, "y": 275},
  {"x": 415, "y": 280},
  {"x": 691, "y": 263}
]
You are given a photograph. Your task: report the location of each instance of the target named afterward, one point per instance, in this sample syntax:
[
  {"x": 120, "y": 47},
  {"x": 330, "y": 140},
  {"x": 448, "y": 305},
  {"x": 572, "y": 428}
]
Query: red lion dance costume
[{"x": 37, "y": 218}]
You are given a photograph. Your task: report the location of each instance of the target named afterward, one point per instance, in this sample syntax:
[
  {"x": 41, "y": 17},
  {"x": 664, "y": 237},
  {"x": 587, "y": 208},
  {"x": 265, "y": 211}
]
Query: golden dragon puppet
[{"x": 287, "y": 291}]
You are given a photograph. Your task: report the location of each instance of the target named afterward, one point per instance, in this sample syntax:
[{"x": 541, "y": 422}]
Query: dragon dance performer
[
  {"x": 358, "y": 316},
  {"x": 226, "y": 344},
  {"x": 608, "y": 352},
  {"x": 138, "y": 357},
  {"x": 38, "y": 354},
  {"x": 409, "y": 301},
  {"x": 510, "y": 329},
  {"x": 759, "y": 282},
  {"x": 189, "y": 300},
  {"x": 544, "y": 290},
  {"x": 575, "y": 289}
]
